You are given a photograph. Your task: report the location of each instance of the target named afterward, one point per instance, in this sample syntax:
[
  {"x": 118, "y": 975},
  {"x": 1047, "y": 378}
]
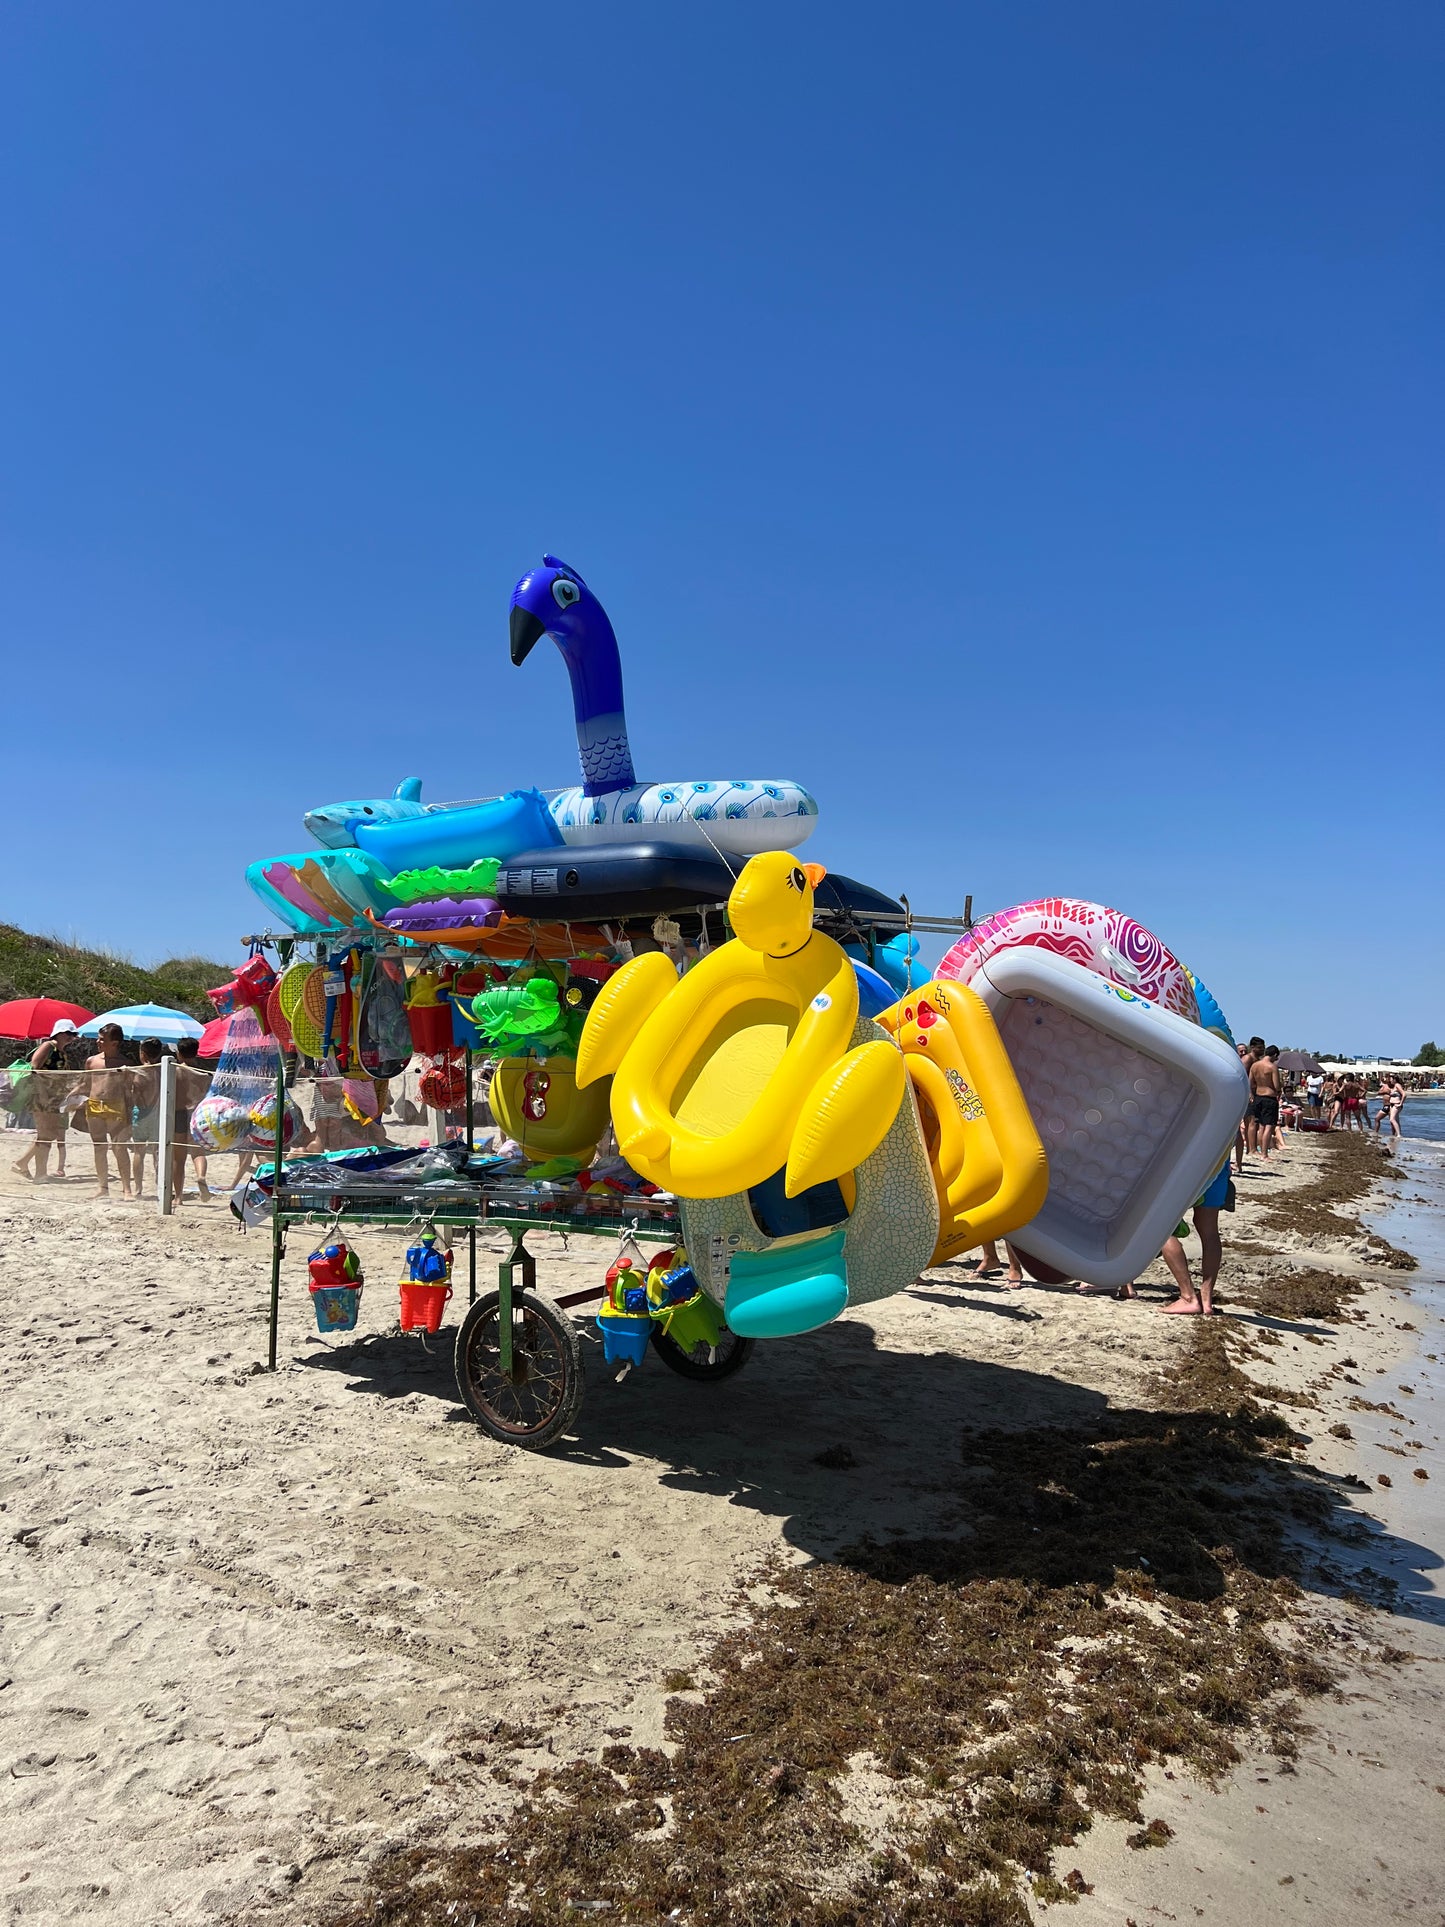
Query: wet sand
[{"x": 258, "y": 1630}]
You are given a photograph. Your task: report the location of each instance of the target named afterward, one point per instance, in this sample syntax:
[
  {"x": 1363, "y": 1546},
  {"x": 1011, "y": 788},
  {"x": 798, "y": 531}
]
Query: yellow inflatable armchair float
[{"x": 815, "y": 1165}]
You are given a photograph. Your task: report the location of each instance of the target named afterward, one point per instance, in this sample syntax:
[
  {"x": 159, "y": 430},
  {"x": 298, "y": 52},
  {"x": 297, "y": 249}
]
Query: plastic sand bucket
[
  {"x": 697, "y": 1322},
  {"x": 422, "y": 1306},
  {"x": 431, "y": 1027},
  {"x": 624, "y": 1337},
  {"x": 337, "y": 1307}
]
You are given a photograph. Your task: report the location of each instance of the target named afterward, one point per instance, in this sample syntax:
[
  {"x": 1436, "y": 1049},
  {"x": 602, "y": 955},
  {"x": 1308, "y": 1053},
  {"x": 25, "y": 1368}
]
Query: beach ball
[
  {"x": 261, "y": 1123},
  {"x": 219, "y": 1123}
]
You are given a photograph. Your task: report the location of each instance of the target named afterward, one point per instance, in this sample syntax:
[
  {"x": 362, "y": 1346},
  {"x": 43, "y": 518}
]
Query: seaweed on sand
[
  {"x": 1349, "y": 1165},
  {"x": 1121, "y": 1593},
  {"x": 1123, "y": 1596}
]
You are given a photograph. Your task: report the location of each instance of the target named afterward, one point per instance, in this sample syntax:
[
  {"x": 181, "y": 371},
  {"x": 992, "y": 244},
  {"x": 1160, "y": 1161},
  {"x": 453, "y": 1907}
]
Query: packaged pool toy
[{"x": 335, "y": 1286}]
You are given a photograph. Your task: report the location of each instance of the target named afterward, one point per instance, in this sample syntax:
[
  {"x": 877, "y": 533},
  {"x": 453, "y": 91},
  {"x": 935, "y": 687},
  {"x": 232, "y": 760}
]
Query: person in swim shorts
[
  {"x": 107, "y": 1110},
  {"x": 1216, "y": 1198},
  {"x": 1264, "y": 1090}
]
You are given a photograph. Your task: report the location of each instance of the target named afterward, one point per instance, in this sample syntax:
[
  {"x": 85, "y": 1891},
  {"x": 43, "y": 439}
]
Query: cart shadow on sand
[{"x": 863, "y": 1453}]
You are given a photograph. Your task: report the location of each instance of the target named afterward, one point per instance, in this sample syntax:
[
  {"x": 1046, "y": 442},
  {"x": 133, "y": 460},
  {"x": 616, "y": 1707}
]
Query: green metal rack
[{"x": 518, "y": 1355}]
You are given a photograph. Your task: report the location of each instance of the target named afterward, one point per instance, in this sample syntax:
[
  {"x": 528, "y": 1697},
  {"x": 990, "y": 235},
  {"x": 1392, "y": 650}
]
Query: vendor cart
[{"x": 518, "y": 1352}]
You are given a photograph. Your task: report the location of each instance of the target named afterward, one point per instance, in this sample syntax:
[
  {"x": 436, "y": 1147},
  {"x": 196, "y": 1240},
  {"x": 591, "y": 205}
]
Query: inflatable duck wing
[
  {"x": 741, "y": 817},
  {"x": 742, "y": 1068}
]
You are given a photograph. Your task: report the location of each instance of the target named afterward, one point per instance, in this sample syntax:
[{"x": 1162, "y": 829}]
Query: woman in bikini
[{"x": 107, "y": 1110}]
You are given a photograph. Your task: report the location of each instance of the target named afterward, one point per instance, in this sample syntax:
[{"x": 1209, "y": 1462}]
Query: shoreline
[{"x": 299, "y": 1622}]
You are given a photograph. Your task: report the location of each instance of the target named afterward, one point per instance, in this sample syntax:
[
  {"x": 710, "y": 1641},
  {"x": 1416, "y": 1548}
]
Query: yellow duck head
[{"x": 771, "y": 906}]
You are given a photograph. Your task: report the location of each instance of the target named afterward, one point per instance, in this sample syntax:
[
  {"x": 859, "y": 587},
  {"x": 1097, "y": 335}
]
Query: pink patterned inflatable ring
[{"x": 1101, "y": 940}]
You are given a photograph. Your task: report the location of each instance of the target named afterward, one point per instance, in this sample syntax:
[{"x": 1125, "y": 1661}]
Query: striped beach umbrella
[{"x": 146, "y": 1020}]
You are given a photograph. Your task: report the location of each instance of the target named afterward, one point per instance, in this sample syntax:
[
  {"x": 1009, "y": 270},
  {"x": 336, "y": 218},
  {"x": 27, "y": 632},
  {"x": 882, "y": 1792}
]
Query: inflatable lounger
[
  {"x": 612, "y": 880},
  {"x": 1135, "y": 1107},
  {"x": 649, "y": 879},
  {"x": 320, "y": 891}
]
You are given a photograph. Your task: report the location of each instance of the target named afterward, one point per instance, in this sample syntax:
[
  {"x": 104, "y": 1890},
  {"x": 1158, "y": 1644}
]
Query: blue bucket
[
  {"x": 624, "y": 1340},
  {"x": 337, "y": 1307}
]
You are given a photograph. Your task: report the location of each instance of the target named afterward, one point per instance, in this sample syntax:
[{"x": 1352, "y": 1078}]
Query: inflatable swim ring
[
  {"x": 1210, "y": 1015},
  {"x": 1100, "y": 939},
  {"x": 742, "y": 817}
]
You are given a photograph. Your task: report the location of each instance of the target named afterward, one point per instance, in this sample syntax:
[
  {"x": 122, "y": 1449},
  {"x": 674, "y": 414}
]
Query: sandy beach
[{"x": 261, "y": 1632}]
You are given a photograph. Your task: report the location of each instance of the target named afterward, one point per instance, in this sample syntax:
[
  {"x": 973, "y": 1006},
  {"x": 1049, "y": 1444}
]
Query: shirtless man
[
  {"x": 107, "y": 1110},
  {"x": 1264, "y": 1090},
  {"x": 1244, "y": 1137}
]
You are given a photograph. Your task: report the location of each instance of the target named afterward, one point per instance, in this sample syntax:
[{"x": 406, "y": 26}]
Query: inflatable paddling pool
[{"x": 1134, "y": 1103}]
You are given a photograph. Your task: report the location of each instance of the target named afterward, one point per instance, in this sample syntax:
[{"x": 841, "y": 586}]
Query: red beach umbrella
[
  {"x": 212, "y": 1040},
  {"x": 38, "y": 1016}
]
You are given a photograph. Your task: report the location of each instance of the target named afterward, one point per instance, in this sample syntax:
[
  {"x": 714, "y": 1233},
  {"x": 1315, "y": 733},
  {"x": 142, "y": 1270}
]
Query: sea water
[
  {"x": 1423, "y": 1116},
  {"x": 1413, "y": 1510}
]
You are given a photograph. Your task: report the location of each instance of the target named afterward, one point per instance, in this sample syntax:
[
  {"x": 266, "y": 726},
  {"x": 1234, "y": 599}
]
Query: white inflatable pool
[{"x": 1136, "y": 1108}]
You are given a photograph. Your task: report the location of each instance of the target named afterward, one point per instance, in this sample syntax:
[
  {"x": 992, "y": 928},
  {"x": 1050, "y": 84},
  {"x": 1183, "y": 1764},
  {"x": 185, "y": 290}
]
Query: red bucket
[
  {"x": 431, "y": 1027},
  {"x": 422, "y": 1306}
]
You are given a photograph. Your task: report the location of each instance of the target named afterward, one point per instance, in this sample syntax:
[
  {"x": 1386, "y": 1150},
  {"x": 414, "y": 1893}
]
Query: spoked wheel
[
  {"x": 534, "y": 1403},
  {"x": 729, "y": 1355}
]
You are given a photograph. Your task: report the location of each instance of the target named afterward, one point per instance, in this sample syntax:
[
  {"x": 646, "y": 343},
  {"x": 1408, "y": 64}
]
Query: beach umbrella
[
  {"x": 213, "y": 1037},
  {"x": 1300, "y": 1060},
  {"x": 38, "y": 1016},
  {"x": 146, "y": 1020}
]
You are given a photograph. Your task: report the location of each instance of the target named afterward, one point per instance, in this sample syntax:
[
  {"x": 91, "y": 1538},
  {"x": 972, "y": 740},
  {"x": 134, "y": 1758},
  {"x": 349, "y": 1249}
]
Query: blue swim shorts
[{"x": 1217, "y": 1195}]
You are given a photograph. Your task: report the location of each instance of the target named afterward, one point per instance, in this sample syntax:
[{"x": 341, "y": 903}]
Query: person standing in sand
[
  {"x": 192, "y": 1083},
  {"x": 145, "y": 1097},
  {"x": 1211, "y": 1252},
  {"x": 1352, "y": 1104},
  {"x": 1264, "y": 1090},
  {"x": 107, "y": 1110},
  {"x": 47, "y": 1093},
  {"x": 1244, "y": 1137}
]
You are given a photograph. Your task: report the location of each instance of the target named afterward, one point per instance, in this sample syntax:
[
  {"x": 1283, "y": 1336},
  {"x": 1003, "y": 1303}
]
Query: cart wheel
[
  {"x": 731, "y": 1355},
  {"x": 533, "y": 1405}
]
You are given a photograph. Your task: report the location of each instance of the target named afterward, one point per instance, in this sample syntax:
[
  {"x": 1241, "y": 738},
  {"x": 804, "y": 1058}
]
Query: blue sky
[{"x": 1020, "y": 424}]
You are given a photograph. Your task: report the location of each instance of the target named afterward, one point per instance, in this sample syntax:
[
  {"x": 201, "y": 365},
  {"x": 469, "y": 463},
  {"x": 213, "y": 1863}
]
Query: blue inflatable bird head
[{"x": 554, "y": 601}]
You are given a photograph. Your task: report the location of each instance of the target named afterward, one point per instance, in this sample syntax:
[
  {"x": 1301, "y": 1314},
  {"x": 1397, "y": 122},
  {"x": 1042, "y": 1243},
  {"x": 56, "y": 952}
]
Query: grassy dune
[{"x": 33, "y": 966}]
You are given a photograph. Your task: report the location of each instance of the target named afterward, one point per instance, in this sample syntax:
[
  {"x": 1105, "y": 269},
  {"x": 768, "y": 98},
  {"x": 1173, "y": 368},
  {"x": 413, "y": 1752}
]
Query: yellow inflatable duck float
[
  {"x": 821, "y": 1158},
  {"x": 743, "y": 1067}
]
